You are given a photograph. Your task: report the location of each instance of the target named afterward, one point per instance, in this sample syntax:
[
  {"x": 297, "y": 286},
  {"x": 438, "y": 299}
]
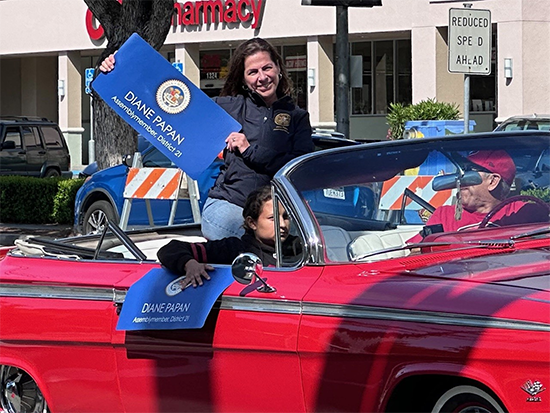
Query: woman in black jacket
[
  {"x": 257, "y": 93},
  {"x": 259, "y": 238}
]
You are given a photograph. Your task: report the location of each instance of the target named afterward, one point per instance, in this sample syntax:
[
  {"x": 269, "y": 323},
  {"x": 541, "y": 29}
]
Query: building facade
[{"x": 399, "y": 53}]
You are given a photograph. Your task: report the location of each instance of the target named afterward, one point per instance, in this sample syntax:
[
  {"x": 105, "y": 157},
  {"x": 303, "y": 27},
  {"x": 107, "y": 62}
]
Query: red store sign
[{"x": 200, "y": 12}]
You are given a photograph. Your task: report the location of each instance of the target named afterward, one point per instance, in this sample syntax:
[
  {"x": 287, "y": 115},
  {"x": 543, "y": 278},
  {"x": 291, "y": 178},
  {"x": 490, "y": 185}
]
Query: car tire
[
  {"x": 96, "y": 217},
  {"x": 51, "y": 173},
  {"x": 19, "y": 392},
  {"x": 466, "y": 399}
]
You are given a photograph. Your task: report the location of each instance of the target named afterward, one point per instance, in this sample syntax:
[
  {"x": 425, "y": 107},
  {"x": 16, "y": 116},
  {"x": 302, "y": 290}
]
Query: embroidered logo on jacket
[{"x": 282, "y": 121}]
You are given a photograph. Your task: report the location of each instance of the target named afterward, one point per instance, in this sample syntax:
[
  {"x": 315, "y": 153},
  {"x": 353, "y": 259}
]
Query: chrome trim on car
[
  {"x": 408, "y": 315},
  {"x": 313, "y": 248},
  {"x": 261, "y": 305},
  {"x": 376, "y": 313},
  {"x": 285, "y": 307},
  {"x": 62, "y": 292}
]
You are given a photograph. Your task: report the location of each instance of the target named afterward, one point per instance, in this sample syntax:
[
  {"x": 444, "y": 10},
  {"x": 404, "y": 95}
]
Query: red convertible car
[{"x": 370, "y": 316}]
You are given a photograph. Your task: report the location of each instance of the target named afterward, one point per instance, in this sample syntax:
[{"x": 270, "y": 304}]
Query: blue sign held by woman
[{"x": 165, "y": 107}]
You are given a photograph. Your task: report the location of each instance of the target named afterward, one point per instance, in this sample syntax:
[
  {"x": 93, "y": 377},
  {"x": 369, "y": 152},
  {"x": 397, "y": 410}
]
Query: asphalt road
[{"x": 10, "y": 232}]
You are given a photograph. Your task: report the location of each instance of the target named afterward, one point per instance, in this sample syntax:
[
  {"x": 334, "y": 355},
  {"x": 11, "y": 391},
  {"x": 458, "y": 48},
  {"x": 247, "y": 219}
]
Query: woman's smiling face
[{"x": 261, "y": 75}]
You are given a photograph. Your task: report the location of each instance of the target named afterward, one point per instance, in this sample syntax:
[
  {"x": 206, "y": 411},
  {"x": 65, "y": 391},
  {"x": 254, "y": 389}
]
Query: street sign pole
[
  {"x": 466, "y": 103},
  {"x": 91, "y": 142},
  {"x": 469, "y": 48}
]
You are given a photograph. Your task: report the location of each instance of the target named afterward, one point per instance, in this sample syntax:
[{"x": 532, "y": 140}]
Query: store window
[
  {"x": 386, "y": 76},
  {"x": 483, "y": 88},
  {"x": 214, "y": 67},
  {"x": 213, "y": 70},
  {"x": 295, "y": 58}
]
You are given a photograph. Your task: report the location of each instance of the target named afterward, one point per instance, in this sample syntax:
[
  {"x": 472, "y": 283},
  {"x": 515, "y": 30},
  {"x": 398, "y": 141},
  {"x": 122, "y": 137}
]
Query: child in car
[{"x": 259, "y": 238}]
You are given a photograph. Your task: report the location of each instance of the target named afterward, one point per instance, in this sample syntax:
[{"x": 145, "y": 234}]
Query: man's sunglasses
[{"x": 476, "y": 168}]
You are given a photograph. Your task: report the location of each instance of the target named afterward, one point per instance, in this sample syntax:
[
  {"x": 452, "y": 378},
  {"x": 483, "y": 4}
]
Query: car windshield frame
[{"x": 370, "y": 165}]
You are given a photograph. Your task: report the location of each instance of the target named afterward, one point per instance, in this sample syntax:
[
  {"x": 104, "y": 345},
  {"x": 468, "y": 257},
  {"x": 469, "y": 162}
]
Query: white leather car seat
[{"x": 378, "y": 240}]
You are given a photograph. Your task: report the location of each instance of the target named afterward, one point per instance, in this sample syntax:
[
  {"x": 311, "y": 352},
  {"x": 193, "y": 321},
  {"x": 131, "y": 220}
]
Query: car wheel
[
  {"x": 20, "y": 393},
  {"x": 96, "y": 217},
  {"x": 51, "y": 173},
  {"x": 466, "y": 399}
]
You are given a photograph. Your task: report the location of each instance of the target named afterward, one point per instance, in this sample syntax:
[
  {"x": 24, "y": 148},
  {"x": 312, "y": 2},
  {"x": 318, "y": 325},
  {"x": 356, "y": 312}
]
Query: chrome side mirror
[{"x": 248, "y": 268}]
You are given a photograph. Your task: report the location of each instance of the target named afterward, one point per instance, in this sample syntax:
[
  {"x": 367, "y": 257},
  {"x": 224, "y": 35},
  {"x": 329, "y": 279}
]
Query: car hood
[
  {"x": 480, "y": 282},
  {"x": 528, "y": 269}
]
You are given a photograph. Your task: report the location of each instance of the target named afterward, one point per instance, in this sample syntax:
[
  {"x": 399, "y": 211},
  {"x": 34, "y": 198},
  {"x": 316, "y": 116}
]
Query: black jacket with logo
[
  {"x": 176, "y": 254},
  {"x": 276, "y": 134}
]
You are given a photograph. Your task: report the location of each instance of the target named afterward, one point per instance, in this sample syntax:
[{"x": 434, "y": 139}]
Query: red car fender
[{"x": 14, "y": 357}]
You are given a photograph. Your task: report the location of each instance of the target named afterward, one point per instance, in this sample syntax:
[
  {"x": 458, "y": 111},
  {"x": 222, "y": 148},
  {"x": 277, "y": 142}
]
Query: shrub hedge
[
  {"x": 541, "y": 193},
  {"x": 29, "y": 200},
  {"x": 429, "y": 109}
]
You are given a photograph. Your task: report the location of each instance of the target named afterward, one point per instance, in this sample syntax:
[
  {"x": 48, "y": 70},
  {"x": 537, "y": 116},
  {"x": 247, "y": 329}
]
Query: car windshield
[{"x": 385, "y": 193}]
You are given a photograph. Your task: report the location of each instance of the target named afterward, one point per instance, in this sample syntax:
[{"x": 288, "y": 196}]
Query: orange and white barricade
[
  {"x": 393, "y": 190},
  {"x": 155, "y": 183}
]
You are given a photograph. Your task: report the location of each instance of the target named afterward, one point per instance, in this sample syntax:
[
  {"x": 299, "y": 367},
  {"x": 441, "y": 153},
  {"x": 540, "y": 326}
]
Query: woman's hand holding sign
[
  {"x": 107, "y": 64},
  {"x": 237, "y": 141}
]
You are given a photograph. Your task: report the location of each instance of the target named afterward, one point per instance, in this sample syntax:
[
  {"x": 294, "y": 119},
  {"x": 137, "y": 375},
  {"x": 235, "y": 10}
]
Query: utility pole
[
  {"x": 342, "y": 66},
  {"x": 342, "y": 71}
]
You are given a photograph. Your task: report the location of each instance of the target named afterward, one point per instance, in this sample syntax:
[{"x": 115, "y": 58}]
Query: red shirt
[{"x": 514, "y": 213}]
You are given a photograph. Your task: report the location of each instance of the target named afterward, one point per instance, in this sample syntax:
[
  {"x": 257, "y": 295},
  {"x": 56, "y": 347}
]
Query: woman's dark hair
[
  {"x": 254, "y": 204},
  {"x": 234, "y": 83}
]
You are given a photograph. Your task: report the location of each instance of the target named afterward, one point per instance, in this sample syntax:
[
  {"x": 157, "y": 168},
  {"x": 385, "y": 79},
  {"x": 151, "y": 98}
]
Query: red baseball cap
[{"x": 497, "y": 161}]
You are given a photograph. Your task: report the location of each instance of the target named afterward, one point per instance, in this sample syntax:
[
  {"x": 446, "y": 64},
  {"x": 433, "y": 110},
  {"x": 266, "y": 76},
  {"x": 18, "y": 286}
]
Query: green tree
[{"x": 151, "y": 19}]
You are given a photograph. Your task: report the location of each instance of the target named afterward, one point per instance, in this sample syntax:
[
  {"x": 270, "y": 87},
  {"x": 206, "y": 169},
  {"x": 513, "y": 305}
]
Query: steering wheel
[
  {"x": 420, "y": 201},
  {"x": 517, "y": 198}
]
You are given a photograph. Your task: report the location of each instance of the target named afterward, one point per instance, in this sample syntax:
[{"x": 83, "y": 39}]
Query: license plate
[{"x": 334, "y": 193}]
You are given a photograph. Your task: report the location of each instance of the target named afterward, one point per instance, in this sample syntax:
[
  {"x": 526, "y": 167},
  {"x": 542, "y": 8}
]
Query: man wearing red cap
[{"x": 497, "y": 171}]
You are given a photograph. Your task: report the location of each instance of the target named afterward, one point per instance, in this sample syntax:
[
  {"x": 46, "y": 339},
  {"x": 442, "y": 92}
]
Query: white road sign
[{"x": 470, "y": 41}]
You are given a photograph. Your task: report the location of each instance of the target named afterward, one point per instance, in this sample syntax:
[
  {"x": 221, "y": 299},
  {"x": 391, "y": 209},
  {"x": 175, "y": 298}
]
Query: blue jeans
[{"x": 221, "y": 219}]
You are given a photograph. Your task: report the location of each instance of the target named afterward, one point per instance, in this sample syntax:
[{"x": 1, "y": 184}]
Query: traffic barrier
[
  {"x": 169, "y": 184},
  {"x": 421, "y": 185},
  {"x": 153, "y": 183}
]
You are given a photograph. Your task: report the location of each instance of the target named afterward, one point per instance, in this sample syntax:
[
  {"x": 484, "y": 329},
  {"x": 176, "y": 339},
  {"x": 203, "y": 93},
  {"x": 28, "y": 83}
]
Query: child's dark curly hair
[{"x": 254, "y": 204}]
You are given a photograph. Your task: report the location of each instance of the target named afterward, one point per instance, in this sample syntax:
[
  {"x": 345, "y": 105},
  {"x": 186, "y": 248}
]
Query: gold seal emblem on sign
[{"x": 173, "y": 96}]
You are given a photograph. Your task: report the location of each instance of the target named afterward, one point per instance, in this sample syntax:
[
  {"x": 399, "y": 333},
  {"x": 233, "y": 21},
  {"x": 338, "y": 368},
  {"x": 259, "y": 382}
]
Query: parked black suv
[{"x": 33, "y": 147}]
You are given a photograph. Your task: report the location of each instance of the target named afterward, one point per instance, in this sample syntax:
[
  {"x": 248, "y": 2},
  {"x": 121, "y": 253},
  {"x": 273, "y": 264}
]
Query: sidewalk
[{"x": 10, "y": 232}]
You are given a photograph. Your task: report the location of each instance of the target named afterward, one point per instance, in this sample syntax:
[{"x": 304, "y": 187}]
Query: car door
[
  {"x": 58, "y": 154},
  {"x": 244, "y": 358},
  {"x": 13, "y": 159},
  {"x": 36, "y": 152}
]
